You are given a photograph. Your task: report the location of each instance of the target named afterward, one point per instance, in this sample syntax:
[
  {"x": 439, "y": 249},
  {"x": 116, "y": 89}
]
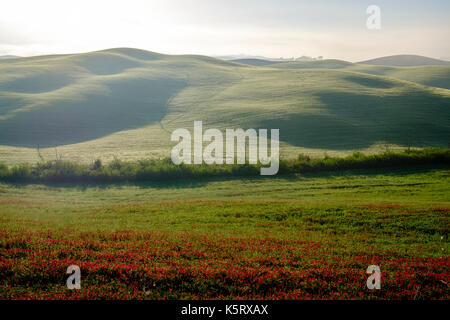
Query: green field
[
  {"x": 295, "y": 237},
  {"x": 126, "y": 102}
]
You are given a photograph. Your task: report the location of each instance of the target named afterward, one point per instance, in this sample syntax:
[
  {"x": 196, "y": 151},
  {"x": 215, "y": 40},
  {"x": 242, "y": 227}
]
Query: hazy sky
[{"x": 331, "y": 28}]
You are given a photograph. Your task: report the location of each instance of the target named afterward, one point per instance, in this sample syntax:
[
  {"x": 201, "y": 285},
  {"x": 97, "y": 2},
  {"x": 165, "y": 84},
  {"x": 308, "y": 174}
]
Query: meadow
[{"x": 308, "y": 236}]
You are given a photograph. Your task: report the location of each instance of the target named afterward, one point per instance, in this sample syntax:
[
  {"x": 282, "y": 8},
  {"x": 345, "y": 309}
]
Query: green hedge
[{"x": 164, "y": 169}]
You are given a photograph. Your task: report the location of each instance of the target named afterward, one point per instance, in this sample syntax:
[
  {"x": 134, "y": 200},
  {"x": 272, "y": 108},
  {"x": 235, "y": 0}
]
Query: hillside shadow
[
  {"x": 353, "y": 121},
  {"x": 130, "y": 104},
  {"x": 106, "y": 64},
  {"x": 137, "y": 53},
  {"x": 379, "y": 83},
  {"x": 38, "y": 83}
]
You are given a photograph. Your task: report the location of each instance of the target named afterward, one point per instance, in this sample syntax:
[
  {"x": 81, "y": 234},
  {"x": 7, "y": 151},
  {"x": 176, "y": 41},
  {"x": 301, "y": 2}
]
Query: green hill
[
  {"x": 126, "y": 102},
  {"x": 8, "y": 57},
  {"x": 254, "y": 62},
  {"x": 434, "y": 76},
  {"x": 317, "y": 64},
  {"x": 429, "y": 75},
  {"x": 406, "y": 61}
]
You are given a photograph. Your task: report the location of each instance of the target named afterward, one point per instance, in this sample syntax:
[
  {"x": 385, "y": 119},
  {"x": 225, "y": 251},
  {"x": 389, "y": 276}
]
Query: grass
[
  {"x": 406, "y": 61},
  {"x": 295, "y": 237},
  {"x": 338, "y": 111},
  {"x": 429, "y": 75}
]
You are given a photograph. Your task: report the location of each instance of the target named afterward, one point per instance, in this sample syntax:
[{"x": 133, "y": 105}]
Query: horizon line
[{"x": 238, "y": 56}]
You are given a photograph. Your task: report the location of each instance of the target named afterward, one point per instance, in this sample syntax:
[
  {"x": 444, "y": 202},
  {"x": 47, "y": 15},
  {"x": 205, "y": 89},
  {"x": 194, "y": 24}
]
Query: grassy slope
[
  {"x": 406, "y": 60},
  {"x": 76, "y": 102},
  {"x": 428, "y": 75},
  {"x": 434, "y": 76},
  {"x": 254, "y": 62}
]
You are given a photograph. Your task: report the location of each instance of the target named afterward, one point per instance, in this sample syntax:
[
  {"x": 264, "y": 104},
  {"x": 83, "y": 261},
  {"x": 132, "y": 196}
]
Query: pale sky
[{"x": 281, "y": 28}]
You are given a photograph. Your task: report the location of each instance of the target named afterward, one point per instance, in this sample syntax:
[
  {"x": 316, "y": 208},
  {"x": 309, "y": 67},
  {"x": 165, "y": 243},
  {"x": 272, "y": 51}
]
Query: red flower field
[{"x": 129, "y": 265}]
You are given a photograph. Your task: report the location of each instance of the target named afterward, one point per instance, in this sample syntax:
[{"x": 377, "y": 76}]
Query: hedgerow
[{"x": 163, "y": 169}]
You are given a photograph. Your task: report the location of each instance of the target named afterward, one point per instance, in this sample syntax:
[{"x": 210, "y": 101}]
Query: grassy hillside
[
  {"x": 318, "y": 64},
  {"x": 254, "y": 62},
  {"x": 8, "y": 57},
  {"x": 126, "y": 102},
  {"x": 406, "y": 61},
  {"x": 434, "y": 76}
]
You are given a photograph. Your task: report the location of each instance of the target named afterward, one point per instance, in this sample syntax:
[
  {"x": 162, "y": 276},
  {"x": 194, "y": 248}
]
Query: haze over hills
[{"x": 125, "y": 102}]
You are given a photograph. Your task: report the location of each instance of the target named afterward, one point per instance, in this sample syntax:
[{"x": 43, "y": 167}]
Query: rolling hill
[
  {"x": 125, "y": 102},
  {"x": 318, "y": 64},
  {"x": 254, "y": 62},
  {"x": 8, "y": 57},
  {"x": 429, "y": 75},
  {"x": 406, "y": 61}
]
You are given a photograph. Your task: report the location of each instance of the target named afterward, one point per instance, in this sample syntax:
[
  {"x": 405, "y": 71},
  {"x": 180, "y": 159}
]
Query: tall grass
[{"x": 164, "y": 169}]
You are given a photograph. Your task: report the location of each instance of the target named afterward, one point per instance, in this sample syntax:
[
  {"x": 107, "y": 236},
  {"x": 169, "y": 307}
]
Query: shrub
[{"x": 97, "y": 164}]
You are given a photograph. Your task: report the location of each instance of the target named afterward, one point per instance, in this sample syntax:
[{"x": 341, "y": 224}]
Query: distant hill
[
  {"x": 8, "y": 57},
  {"x": 406, "y": 61},
  {"x": 254, "y": 62},
  {"x": 429, "y": 75},
  {"x": 247, "y": 57},
  {"x": 316, "y": 64},
  {"x": 125, "y": 102}
]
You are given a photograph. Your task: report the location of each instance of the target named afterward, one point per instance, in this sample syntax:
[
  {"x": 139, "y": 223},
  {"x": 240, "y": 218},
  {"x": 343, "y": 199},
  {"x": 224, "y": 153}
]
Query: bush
[{"x": 97, "y": 164}]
